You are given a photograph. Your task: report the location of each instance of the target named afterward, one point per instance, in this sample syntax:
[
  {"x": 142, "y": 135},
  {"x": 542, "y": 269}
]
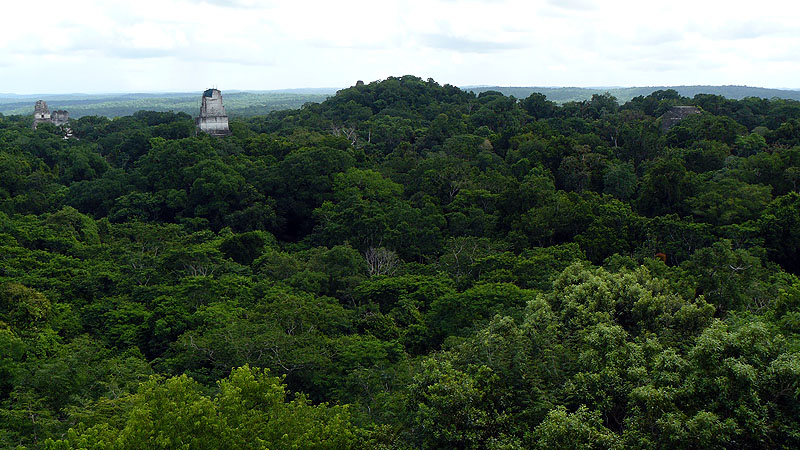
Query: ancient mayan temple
[
  {"x": 675, "y": 114},
  {"x": 41, "y": 115},
  {"x": 212, "y": 119},
  {"x": 59, "y": 117}
]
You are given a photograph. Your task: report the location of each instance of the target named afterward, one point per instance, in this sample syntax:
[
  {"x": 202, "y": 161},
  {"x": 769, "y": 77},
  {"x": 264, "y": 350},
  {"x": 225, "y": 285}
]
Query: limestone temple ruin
[
  {"x": 675, "y": 114},
  {"x": 42, "y": 115},
  {"x": 212, "y": 119}
]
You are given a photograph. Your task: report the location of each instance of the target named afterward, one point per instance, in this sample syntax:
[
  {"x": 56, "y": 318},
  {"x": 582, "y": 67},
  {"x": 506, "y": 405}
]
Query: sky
[{"x": 103, "y": 46}]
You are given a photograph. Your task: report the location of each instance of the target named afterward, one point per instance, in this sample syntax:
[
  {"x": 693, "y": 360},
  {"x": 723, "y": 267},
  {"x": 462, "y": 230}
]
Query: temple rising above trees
[
  {"x": 212, "y": 119},
  {"x": 41, "y": 114}
]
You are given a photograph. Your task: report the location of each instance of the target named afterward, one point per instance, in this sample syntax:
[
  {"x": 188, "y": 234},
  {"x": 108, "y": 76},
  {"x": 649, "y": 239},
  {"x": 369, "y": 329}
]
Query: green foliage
[
  {"x": 664, "y": 187},
  {"x": 453, "y": 409},
  {"x": 582, "y": 429},
  {"x": 728, "y": 201},
  {"x": 619, "y": 180},
  {"x": 698, "y": 127},
  {"x": 780, "y": 227},
  {"x": 425, "y": 257},
  {"x": 244, "y": 248},
  {"x": 454, "y": 315},
  {"x": 250, "y": 411},
  {"x": 22, "y": 306}
]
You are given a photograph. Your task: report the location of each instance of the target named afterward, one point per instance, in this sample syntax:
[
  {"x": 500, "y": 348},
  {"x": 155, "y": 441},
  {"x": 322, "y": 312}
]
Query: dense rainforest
[{"x": 405, "y": 265}]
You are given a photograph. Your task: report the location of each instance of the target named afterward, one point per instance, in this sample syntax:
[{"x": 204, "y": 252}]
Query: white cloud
[
  {"x": 158, "y": 45},
  {"x": 574, "y": 5},
  {"x": 467, "y": 45}
]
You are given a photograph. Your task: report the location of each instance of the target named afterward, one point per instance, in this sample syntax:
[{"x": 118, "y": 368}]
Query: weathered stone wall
[
  {"x": 213, "y": 125},
  {"x": 213, "y": 119},
  {"x": 675, "y": 114},
  {"x": 59, "y": 117},
  {"x": 40, "y": 109},
  {"x": 212, "y": 104},
  {"x": 40, "y": 113}
]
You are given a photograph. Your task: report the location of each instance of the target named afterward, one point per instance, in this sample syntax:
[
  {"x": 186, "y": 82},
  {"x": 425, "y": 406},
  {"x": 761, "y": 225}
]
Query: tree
[
  {"x": 728, "y": 201},
  {"x": 600, "y": 105},
  {"x": 780, "y": 223},
  {"x": 368, "y": 211},
  {"x": 451, "y": 409},
  {"x": 698, "y": 127},
  {"x": 664, "y": 187},
  {"x": 302, "y": 182},
  {"x": 381, "y": 261},
  {"x": 250, "y": 411},
  {"x": 582, "y": 429},
  {"x": 23, "y": 307},
  {"x": 538, "y": 106},
  {"x": 730, "y": 279},
  {"x": 455, "y": 315}
]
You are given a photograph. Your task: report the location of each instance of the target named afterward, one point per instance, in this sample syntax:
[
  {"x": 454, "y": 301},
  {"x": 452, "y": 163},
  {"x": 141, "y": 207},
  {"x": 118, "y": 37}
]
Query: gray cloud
[
  {"x": 282, "y": 43},
  {"x": 750, "y": 29},
  {"x": 120, "y": 50},
  {"x": 658, "y": 37},
  {"x": 244, "y": 60},
  {"x": 573, "y": 5},
  {"x": 649, "y": 65},
  {"x": 93, "y": 44},
  {"x": 192, "y": 54},
  {"x": 361, "y": 45},
  {"x": 677, "y": 64},
  {"x": 486, "y": 2},
  {"x": 790, "y": 55},
  {"x": 237, "y": 4},
  {"x": 467, "y": 45}
]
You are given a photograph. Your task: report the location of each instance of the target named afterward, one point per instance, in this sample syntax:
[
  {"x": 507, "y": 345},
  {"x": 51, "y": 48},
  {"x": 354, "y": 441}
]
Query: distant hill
[
  {"x": 255, "y": 103},
  {"x": 237, "y": 103},
  {"x": 624, "y": 94}
]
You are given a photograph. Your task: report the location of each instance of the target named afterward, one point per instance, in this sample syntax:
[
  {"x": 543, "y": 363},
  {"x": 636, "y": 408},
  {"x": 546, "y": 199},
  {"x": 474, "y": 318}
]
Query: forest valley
[{"x": 405, "y": 265}]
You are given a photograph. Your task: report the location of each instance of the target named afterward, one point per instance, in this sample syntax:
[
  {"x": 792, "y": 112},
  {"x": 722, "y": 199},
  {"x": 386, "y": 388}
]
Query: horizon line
[{"x": 331, "y": 88}]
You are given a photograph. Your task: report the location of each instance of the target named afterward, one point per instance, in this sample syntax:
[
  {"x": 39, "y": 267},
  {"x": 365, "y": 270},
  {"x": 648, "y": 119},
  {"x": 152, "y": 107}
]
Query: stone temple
[
  {"x": 41, "y": 115},
  {"x": 59, "y": 117},
  {"x": 675, "y": 114},
  {"x": 212, "y": 119}
]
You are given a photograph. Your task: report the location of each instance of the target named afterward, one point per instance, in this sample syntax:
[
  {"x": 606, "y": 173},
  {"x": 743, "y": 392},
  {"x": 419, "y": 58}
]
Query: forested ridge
[
  {"x": 624, "y": 94},
  {"x": 245, "y": 104},
  {"x": 405, "y": 265},
  {"x": 238, "y": 104}
]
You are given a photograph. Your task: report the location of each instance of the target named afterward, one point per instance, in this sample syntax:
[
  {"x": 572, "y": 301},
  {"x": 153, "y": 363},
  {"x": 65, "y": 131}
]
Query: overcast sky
[{"x": 96, "y": 46}]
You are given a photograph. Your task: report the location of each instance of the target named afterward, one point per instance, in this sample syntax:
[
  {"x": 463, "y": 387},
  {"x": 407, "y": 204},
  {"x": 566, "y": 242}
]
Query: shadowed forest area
[{"x": 405, "y": 265}]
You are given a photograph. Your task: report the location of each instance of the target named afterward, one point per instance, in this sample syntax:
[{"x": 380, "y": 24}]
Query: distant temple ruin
[
  {"x": 42, "y": 115},
  {"x": 212, "y": 119},
  {"x": 59, "y": 117},
  {"x": 675, "y": 114}
]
